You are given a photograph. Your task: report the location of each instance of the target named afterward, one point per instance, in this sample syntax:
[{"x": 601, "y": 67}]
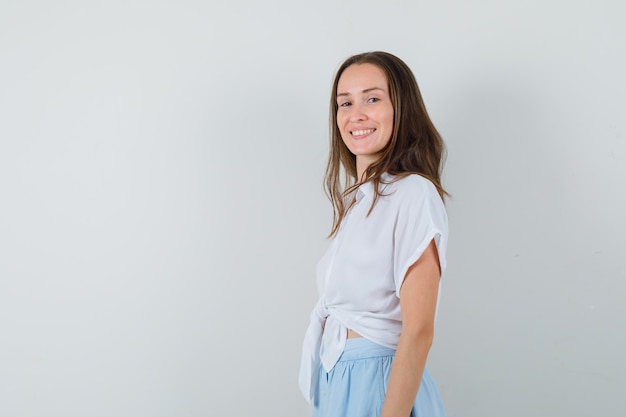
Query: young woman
[{"x": 365, "y": 350}]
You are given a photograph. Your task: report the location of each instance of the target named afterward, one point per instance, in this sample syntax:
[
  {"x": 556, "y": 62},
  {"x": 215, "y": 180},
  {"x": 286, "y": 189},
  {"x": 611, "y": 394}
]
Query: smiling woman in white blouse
[{"x": 365, "y": 349}]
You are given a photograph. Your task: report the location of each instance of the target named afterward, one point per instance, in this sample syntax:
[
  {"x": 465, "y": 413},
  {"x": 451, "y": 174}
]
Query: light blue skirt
[{"x": 357, "y": 384}]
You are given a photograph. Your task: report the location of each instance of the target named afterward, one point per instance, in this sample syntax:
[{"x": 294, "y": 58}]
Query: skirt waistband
[{"x": 362, "y": 348}]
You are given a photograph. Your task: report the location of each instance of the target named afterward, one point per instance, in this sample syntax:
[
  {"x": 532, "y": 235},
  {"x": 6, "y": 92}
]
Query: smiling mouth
[{"x": 362, "y": 132}]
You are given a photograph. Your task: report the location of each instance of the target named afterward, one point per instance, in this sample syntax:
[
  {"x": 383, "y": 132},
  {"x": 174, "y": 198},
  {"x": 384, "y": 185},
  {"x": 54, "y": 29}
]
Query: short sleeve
[{"x": 420, "y": 218}]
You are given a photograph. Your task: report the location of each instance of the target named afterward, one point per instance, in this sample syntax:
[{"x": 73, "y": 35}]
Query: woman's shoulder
[{"x": 412, "y": 186}]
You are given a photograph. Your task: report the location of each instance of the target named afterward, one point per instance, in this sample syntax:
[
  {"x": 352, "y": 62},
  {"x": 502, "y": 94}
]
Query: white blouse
[{"x": 360, "y": 275}]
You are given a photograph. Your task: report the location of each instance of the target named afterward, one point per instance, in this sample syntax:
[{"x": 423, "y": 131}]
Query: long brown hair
[{"x": 415, "y": 146}]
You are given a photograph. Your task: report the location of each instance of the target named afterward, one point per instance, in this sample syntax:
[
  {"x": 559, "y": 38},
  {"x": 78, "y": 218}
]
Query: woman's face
[{"x": 364, "y": 113}]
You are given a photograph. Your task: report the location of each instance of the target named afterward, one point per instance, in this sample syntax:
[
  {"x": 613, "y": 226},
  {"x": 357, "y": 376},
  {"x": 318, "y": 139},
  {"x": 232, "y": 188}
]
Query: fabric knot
[{"x": 324, "y": 341}]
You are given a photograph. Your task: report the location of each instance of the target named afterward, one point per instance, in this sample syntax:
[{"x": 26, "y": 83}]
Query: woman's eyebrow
[{"x": 367, "y": 90}]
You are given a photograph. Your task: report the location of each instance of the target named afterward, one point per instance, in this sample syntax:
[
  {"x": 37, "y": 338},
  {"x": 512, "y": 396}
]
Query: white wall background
[{"x": 161, "y": 209}]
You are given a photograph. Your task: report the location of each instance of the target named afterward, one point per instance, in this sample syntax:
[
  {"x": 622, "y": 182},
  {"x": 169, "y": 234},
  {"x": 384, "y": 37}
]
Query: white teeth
[{"x": 362, "y": 132}]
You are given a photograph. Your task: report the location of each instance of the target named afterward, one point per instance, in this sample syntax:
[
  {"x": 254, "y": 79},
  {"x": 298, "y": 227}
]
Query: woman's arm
[{"x": 418, "y": 301}]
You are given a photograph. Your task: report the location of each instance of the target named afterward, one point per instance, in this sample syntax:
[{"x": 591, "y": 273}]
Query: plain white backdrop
[{"x": 161, "y": 207}]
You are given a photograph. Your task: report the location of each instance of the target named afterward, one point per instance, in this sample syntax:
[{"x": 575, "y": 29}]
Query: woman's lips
[{"x": 362, "y": 132}]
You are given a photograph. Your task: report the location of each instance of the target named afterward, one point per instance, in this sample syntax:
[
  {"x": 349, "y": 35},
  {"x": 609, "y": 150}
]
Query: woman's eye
[
  {"x": 344, "y": 104},
  {"x": 373, "y": 99}
]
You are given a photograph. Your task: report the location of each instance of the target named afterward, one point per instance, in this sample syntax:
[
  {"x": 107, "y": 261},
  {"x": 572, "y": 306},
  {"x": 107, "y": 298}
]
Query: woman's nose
[{"x": 357, "y": 114}]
